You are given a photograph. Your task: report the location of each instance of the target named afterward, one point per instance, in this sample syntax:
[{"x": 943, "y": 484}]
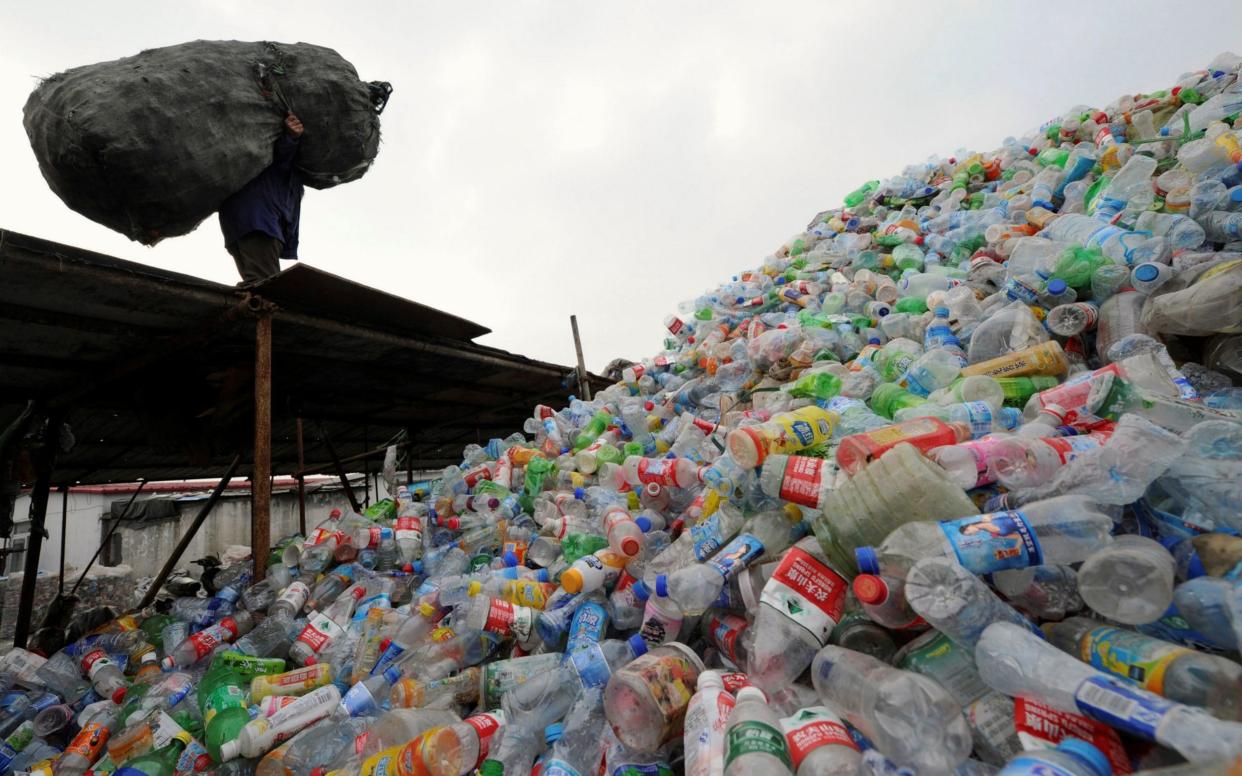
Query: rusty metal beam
[
  {"x": 261, "y": 478},
  {"x": 340, "y": 470},
  {"x": 45, "y": 462},
  {"x": 301, "y": 482}
]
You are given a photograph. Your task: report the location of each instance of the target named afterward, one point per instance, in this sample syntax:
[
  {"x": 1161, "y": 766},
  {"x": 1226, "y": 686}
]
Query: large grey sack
[{"x": 151, "y": 145}]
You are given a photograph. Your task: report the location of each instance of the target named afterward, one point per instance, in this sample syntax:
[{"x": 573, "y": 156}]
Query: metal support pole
[
  {"x": 108, "y": 537},
  {"x": 340, "y": 471},
  {"x": 584, "y": 385},
  {"x": 64, "y": 526},
  {"x": 261, "y": 477},
  {"x": 188, "y": 535},
  {"x": 45, "y": 460},
  {"x": 366, "y": 472},
  {"x": 301, "y": 483}
]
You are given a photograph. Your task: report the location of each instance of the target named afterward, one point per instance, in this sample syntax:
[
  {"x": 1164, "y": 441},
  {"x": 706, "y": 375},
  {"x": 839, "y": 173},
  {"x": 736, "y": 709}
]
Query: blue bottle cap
[
  {"x": 867, "y": 560},
  {"x": 638, "y": 646},
  {"x": 1235, "y": 194},
  {"x": 941, "y": 312},
  {"x": 542, "y": 575},
  {"x": 553, "y": 732},
  {"x": 418, "y": 566},
  {"x": 662, "y": 585},
  {"x": 510, "y": 558},
  {"x": 1057, "y": 286},
  {"x": 640, "y": 591},
  {"x": 1090, "y": 755},
  {"x": 873, "y": 341},
  {"x": 1146, "y": 272},
  {"x": 580, "y": 494},
  {"x": 643, "y": 522}
]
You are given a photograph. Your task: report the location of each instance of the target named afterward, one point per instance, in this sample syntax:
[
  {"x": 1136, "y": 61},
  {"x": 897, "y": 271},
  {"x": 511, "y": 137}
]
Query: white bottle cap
[{"x": 751, "y": 693}]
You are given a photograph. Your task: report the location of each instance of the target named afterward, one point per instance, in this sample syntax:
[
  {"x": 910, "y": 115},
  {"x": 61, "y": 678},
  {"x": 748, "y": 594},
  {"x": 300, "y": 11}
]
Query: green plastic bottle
[
  {"x": 887, "y": 398},
  {"x": 222, "y": 701},
  {"x": 158, "y": 762},
  {"x": 154, "y": 627},
  {"x": 816, "y": 385}
]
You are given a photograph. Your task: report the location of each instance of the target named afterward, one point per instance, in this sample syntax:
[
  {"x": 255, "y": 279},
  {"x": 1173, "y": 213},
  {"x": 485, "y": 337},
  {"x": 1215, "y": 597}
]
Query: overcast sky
[{"x": 610, "y": 159}]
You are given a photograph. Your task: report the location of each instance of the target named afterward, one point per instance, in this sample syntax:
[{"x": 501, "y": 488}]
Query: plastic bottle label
[
  {"x": 1134, "y": 656},
  {"x": 526, "y": 592},
  {"x": 319, "y": 630},
  {"x": 1122, "y": 706},
  {"x": 558, "y": 767},
  {"x": 94, "y": 662},
  {"x": 812, "y": 728},
  {"x": 591, "y": 665},
  {"x": 801, "y": 481},
  {"x": 659, "y": 627},
  {"x": 642, "y": 769},
  {"x": 485, "y": 725},
  {"x": 589, "y": 625},
  {"x": 408, "y": 528},
  {"x": 752, "y": 737},
  {"x": 1069, "y": 448},
  {"x": 660, "y": 471},
  {"x": 207, "y": 640},
  {"x": 736, "y": 555},
  {"x": 89, "y": 742},
  {"x": 979, "y": 416},
  {"x": 725, "y": 631},
  {"x": 223, "y": 698},
  {"x": 707, "y": 537},
  {"x": 993, "y": 542},
  {"x": 807, "y": 592},
  {"x": 1040, "y": 726},
  {"x": 291, "y": 682},
  {"x": 504, "y": 618}
]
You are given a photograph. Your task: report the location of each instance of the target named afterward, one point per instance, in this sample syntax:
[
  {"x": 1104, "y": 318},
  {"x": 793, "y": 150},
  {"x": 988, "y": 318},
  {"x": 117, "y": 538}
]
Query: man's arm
[{"x": 287, "y": 145}]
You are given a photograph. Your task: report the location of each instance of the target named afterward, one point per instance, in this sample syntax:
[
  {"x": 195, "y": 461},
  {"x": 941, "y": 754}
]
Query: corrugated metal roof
[{"x": 154, "y": 368}]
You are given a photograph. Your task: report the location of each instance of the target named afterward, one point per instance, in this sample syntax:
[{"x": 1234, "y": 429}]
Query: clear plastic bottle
[
  {"x": 910, "y": 718},
  {"x": 754, "y": 742},
  {"x": 645, "y": 701},
  {"x": 901, "y": 487},
  {"x": 696, "y": 587},
  {"x": 1016, "y": 662},
  {"x": 706, "y": 719},
  {"x": 956, "y": 602},
  {"x": 800, "y": 605},
  {"x": 1177, "y": 673},
  {"x": 459, "y": 748},
  {"x": 1130, "y": 581},
  {"x": 1064, "y": 529},
  {"x": 989, "y": 714},
  {"x": 201, "y": 644}
]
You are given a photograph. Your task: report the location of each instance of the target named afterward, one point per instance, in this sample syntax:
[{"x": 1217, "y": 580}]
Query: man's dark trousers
[{"x": 257, "y": 256}]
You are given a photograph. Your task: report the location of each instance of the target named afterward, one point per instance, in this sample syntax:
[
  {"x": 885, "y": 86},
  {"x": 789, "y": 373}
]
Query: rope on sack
[{"x": 266, "y": 75}]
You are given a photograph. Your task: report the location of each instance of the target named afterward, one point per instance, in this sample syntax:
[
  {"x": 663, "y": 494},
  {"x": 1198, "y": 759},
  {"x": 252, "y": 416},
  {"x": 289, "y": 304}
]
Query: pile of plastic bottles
[{"x": 951, "y": 483}]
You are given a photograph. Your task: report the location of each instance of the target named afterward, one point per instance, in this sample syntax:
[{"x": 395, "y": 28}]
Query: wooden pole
[
  {"x": 188, "y": 535},
  {"x": 261, "y": 485},
  {"x": 584, "y": 386}
]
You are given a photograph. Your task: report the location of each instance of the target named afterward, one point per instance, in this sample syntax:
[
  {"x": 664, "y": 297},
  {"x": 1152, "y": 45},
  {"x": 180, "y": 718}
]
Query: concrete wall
[{"x": 145, "y": 546}]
